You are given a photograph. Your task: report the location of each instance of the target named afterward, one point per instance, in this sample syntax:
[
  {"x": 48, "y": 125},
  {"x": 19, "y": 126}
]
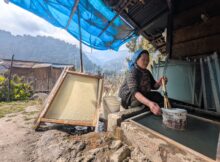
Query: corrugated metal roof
[
  {"x": 31, "y": 64},
  {"x": 41, "y": 65},
  {"x": 150, "y": 17}
]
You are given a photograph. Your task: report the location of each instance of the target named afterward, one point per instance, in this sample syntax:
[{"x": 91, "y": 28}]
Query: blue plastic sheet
[{"x": 94, "y": 17}]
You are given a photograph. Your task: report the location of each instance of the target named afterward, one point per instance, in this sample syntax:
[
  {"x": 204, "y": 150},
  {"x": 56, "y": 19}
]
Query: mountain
[
  {"x": 43, "y": 49},
  {"x": 110, "y": 60}
]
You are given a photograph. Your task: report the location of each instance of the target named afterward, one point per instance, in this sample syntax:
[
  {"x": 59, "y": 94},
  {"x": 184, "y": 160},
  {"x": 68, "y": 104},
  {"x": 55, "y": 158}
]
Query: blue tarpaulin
[{"x": 94, "y": 17}]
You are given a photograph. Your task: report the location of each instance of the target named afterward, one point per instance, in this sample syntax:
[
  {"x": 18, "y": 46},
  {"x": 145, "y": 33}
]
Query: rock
[
  {"x": 137, "y": 155},
  {"x": 61, "y": 160},
  {"x": 80, "y": 146},
  {"x": 89, "y": 158},
  {"x": 120, "y": 154},
  {"x": 39, "y": 96},
  {"x": 78, "y": 159},
  {"x": 116, "y": 144},
  {"x": 95, "y": 151},
  {"x": 130, "y": 160},
  {"x": 73, "y": 153}
]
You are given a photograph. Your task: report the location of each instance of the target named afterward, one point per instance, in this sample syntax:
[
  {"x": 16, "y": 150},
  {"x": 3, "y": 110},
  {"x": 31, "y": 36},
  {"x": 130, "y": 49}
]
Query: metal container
[{"x": 174, "y": 118}]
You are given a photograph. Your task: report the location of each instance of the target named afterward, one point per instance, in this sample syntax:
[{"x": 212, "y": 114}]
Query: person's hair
[{"x": 143, "y": 52}]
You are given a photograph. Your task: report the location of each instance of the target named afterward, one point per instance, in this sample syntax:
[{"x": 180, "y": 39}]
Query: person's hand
[
  {"x": 160, "y": 80},
  {"x": 154, "y": 108}
]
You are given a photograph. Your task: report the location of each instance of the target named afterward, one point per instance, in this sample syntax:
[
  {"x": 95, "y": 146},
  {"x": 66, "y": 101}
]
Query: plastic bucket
[
  {"x": 174, "y": 118},
  {"x": 111, "y": 104}
]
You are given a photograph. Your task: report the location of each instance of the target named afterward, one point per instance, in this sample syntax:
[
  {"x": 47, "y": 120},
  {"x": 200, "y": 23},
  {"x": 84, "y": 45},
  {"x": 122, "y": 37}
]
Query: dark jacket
[{"x": 137, "y": 80}]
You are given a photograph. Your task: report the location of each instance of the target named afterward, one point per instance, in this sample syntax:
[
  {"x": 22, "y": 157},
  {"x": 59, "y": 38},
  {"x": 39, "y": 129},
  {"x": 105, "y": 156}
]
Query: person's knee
[{"x": 135, "y": 103}]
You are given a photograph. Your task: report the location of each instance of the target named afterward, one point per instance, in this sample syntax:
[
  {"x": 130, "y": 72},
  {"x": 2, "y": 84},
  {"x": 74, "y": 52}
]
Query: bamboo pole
[
  {"x": 9, "y": 79},
  {"x": 166, "y": 100}
]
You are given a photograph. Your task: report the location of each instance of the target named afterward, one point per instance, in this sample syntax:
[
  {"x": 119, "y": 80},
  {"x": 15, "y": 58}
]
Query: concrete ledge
[
  {"x": 155, "y": 148},
  {"x": 115, "y": 119}
]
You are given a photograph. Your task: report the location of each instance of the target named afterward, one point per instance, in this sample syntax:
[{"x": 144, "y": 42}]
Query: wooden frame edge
[
  {"x": 50, "y": 97},
  {"x": 53, "y": 94},
  {"x": 68, "y": 122},
  {"x": 86, "y": 75},
  {"x": 175, "y": 143}
]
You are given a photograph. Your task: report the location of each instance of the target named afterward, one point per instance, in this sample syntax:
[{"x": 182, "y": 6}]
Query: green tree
[
  {"x": 19, "y": 89},
  {"x": 142, "y": 43}
]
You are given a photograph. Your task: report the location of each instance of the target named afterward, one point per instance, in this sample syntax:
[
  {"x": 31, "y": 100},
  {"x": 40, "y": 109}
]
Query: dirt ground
[
  {"x": 19, "y": 142},
  {"x": 17, "y": 137}
]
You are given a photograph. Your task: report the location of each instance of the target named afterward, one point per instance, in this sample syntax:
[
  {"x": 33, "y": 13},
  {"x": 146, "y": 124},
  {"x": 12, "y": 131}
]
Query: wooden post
[
  {"x": 203, "y": 84},
  {"x": 80, "y": 42},
  {"x": 9, "y": 79},
  {"x": 169, "y": 43}
]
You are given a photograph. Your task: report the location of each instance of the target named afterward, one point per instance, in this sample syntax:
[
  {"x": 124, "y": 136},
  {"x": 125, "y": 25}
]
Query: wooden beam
[
  {"x": 80, "y": 42},
  {"x": 196, "y": 31},
  {"x": 193, "y": 15},
  {"x": 72, "y": 13},
  {"x": 197, "y": 46},
  {"x": 204, "y": 119},
  {"x": 152, "y": 21},
  {"x": 68, "y": 122},
  {"x": 113, "y": 19},
  {"x": 86, "y": 75},
  {"x": 197, "y": 110},
  {"x": 203, "y": 84},
  {"x": 169, "y": 41},
  {"x": 137, "y": 28}
]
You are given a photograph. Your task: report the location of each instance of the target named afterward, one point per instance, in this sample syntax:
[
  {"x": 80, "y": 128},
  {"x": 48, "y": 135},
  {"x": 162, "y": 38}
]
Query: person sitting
[{"x": 137, "y": 87}]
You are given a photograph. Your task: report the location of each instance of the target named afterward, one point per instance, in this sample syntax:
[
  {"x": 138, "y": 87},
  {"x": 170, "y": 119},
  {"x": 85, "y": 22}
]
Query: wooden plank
[
  {"x": 99, "y": 95},
  {"x": 204, "y": 119},
  {"x": 83, "y": 74},
  {"x": 198, "y": 110},
  {"x": 197, "y": 47},
  {"x": 74, "y": 8},
  {"x": 50, "y": 98},
  {"x": 68, "y": 122},
  {"x": 169, "y": 40},
  {"x": 193, "y": 15},
  {"x": 195, "y": 31},
  {"x": 174, "y": 142},
  {"x": 138, "y": 116}
]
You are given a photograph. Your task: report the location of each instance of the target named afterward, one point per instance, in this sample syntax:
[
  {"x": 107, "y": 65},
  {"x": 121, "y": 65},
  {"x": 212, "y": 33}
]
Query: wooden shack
[{"x": 42, "y": 75}]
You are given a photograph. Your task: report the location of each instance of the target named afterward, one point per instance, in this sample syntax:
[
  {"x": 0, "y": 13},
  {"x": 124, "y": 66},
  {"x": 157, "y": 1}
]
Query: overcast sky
[{"x": 19, "y": 22}]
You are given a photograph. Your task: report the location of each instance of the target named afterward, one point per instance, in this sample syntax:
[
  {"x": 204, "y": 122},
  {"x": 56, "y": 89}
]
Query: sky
[{"x": 19, "y": 22}]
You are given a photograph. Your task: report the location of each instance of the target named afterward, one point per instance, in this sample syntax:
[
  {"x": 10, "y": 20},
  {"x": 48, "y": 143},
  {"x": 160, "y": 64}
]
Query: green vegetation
[
  {"x": 140, "y": 43},
  {"x": 15, "y": 106},
  {"x": 19, "y": 89}
]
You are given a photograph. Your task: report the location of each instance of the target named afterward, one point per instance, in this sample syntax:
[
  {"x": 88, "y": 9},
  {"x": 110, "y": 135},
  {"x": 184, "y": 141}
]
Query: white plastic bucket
[
  {"x": 111, "y": 104},
  {"x": 174, "y": 118}
]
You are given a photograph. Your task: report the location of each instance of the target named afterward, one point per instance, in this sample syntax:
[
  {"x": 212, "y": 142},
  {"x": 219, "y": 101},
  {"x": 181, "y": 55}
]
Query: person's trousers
[{"x": 153, "y": 96}]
